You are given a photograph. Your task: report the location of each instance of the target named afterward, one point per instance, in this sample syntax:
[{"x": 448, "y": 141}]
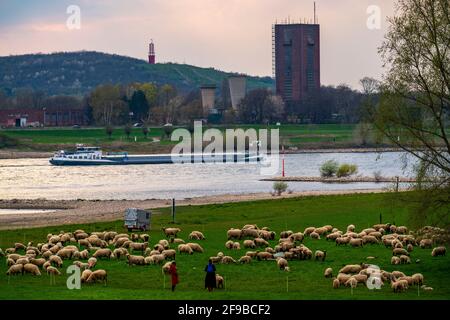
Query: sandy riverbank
[{"x": 87, "y": 211}]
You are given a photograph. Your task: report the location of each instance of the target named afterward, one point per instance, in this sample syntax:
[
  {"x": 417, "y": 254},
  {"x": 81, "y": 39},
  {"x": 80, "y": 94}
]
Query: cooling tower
[
  {"x": 208, "y": 98},
  {"x": 238, "y": 87}
]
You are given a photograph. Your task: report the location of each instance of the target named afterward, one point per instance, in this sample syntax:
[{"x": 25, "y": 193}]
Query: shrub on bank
[
  {"x": 346, "y": 170},
  {"x": 329, "y": 168},
  {"x": 279, "y": 187}
]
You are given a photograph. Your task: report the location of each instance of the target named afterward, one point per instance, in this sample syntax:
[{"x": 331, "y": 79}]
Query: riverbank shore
[
  {"x": 18, "y": 154},
  {"x": 89, "y": 211},
  {"x": 342, "y": 179}
]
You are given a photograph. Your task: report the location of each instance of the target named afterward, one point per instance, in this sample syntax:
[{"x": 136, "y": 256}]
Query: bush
[
  {"x": 346, "y": 170},
  {"x": 7, "y": 142},
  {"x": 329, "y": 168},
  {"x": 279, "y": 187}
]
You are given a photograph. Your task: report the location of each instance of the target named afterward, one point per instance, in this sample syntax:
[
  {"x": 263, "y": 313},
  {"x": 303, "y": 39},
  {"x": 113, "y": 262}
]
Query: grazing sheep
[
  {"x": 308, "y": 231},
  {"x": 234, "y": 234},
  {"x": 417, "y": 278},
  {"x": 427, "y": 289},
  {"x": 251, "y": 254},
  {"x": 351, "y": 282},
  {"x": 342, "y": 277},
  {"x": 196, "y": 235},
  {"x": 333, "y": 236},
  {"x": 270, "y": 250},
  {"x": 236, "y": 246},
  {"x": 356, "y": 242},
  {"x": 137, "y": 246},
  {"x": 400, "y": 251},
  {"x": 98, "y": 275},
  {"x": 438, "y": 251},
  {"x": 38, "y": 262},
  {"x": 169, "y": 254},
  {"x": 245, "y": 259},
  {"x": 285, "y": 234},
  {"x": 22, "y": 261},
  {"x": 228, "y": 260},
  {"x": 405, "y": 259},
  {"x": 65, "y": 253},
  {"x": 10, "y": 250},
  {"x": 158, "y": 247},
  {"x": 56, "y": 260},
  {"x": 360, "y": 278},
  {"x": 399, "y": 286},
  {"x": 402, "y": 230},
  {"x": 10, "y": 262},
  {"x": 264, "y": 256},
  {"x": 171, "y": 232},
  {"x": 351, "y": 228},
  {"x": 408, "y": 279},
  {"x": 229, "y": 244},
  {"x": 85, "y": 275},
  {"x": 219, "y": 281},
  {"x": 164, "y": 243},
  {"x": 409, "y": 247},
  {"x": 215, "y": 259},
  {"x": 336, "y": 283},
  {"x": 249, "y": 244},
  {"x": 15, "y": 269},
  {"x": 282, "y": 263},
  {"x": 198, "y": 248},
  {"x": 314, "y": 235},
  {"x": 103, "y": 253},
  {"x": 320, "y": 255},
  {"x": 135, "y": 260},
  {"x": 395, "y": 260},
  {"x": 397, "y": 274},
  {"x": 155, "y": 259},
  {"x": 253, "y": 233},
  {"x": 351, "y": 268},
  {"x": 166, "y": 267},
  {"x": 92, "y": 262},
  {"x": 342, "y": 240},
  {"x": 426, "y": 243},
  {"x": 260, "y": 242},
  {"x": 81, "y": 265},
  {"x": 121, "y": 241},
  {"x": 177, "y": 240},
  {"x": 184, "y": 248},
  {"x": 298, "y": 236},
  {"x": 53, "y": 271},
  {"x": 31, "y": 268},
  {"x": 369, "y": 239},
  {"x": 328, "y": 273}
]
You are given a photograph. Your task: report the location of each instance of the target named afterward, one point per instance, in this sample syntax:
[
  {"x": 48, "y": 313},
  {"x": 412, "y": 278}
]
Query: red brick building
[
  {"x": 42, "y": 117},
  {"x": 297, "y": 60}
]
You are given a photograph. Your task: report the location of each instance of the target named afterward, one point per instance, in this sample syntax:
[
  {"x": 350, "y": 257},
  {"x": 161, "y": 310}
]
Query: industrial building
[
  {"x": 238, "y": 89},
  {"x": 208, "y": 93},
  {"x": 42, "y": 117},
  {"x": 151, "y": 53},
  {"x": 296, "y": 59}
]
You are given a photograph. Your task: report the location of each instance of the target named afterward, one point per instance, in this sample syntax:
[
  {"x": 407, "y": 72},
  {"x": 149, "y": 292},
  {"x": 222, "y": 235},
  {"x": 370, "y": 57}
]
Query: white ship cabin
[{"x": 81, "y": 153}]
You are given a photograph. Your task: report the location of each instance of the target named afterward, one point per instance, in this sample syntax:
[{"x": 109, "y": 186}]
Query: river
[{"x": 36, "y": 178}]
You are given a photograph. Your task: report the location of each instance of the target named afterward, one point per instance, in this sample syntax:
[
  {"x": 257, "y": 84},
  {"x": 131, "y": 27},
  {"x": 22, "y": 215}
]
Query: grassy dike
[{"x": 260, "y": 279}]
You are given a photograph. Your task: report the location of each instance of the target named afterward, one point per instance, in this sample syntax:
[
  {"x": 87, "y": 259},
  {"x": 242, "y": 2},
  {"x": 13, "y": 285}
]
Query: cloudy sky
[{"x": 231, "y": 35}]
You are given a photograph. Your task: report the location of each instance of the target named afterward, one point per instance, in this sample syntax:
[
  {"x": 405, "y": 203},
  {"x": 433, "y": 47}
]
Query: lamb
[
  {"x": 245, "y": 259},
  {"x": 282, "y": 263},
  {"x": 328, "y": 273},
  {"x": 409, "y": 247},
  {"x": 56, "y": 260},
  {"x": 92, "y": 262},
  {"x": 405, "y": 259},
  {"x": 171, "y": 232},
  {"x": 426, "y": 243},
  {"x": 234, "y": 234},
  {"x": 356, "y": 242},
  {"x": 184, "y": 248},
  {"x": 219, "y": 281},
  {"x": 53, "y": 271},
  {"x": 98, "y": 275},
  {"x": 135, "y": 260},
  {"x": 395, "y": 260},
  {"x": 249, "y": 244},
  {"x": 438, "y": 251},
  {"x": 85, "y": 275},
  {"x": 31, "y": 268},
  {"x": 228, "y": 260},
  {"x": 198, "y": 248},
  {"x": 169, "y": 254},
  {"x": 351, "y": 268},
  {"x": 15, "y": 269},
  {"x": 103, "y": 253},
  {"x": 417, "y": 278},
  {"x": 320, "y": 255},
  {"x": 336, "y": 283}
]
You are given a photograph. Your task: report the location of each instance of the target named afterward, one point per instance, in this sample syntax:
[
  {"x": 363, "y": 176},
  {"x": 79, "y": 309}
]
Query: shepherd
[
  {"x": 174, "y": 275},
  {"x": 210, "y": 279}
]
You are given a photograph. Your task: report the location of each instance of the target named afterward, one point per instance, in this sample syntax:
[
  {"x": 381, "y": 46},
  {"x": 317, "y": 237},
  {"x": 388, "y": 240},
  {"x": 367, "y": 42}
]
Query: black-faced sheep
[{"x": 320, "y": 255}]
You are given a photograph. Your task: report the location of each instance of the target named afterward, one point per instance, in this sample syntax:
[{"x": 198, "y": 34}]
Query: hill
[{"x": 76, "y": 73}]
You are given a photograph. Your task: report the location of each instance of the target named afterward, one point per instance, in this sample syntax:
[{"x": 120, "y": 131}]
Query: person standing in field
[
  {"x": 174, "y": 275},
  {"x": 210, "y": 279}
]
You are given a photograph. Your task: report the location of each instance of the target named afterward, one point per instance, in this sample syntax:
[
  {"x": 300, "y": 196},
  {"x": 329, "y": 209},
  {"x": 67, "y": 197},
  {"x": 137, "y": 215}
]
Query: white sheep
[
  {"x": 328, "y": 273},
  {"x": 438, "y": 251}
]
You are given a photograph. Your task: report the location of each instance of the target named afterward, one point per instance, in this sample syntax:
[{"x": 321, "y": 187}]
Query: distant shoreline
[{"x": 18, "y": 154}]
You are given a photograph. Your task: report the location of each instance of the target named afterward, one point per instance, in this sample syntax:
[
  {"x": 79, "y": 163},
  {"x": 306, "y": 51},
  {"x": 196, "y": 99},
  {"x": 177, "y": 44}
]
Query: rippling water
[{"x": 36, "y": 178}]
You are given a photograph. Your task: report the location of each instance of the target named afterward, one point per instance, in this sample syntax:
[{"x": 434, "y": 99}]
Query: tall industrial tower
[
  {"x": 296, "y": 58},
  {"x": 151, "y": 52}
]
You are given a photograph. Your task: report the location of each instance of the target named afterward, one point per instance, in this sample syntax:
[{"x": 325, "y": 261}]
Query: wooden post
[
  {"x": 287, "y": 283},
  {"x": 173, "y": 210}
]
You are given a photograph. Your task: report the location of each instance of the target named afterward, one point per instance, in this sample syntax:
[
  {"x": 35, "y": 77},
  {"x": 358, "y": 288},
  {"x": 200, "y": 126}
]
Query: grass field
[
  {"x": 303, "y": 136},
  {"x": 258, "y": 280}
]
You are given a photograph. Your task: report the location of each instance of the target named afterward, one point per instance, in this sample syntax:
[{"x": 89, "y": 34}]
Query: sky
[{"x": 230, "y": 35}]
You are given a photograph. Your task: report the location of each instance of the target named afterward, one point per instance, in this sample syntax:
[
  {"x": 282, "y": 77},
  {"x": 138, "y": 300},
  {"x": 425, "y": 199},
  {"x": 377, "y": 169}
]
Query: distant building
[
  {"x": 42, "y": 117},
  {"x": 151, "y": 53},
  {"x": 208, "y": 93},
  {"x": 238, "y": 89},
  {"x": 296, "y": 49}
]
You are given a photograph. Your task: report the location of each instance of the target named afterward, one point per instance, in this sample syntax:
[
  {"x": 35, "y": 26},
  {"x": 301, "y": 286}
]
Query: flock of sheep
[{"x": 83, "y": 249}]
